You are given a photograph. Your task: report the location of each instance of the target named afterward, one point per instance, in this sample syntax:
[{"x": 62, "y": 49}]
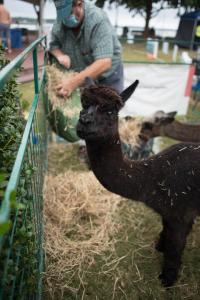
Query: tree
[
  {"x": 147, "y": 8},
  {"x": 100, "y": 3},
  {"x": 188, "y": 5},
  {"x": 143, "y": 7}
]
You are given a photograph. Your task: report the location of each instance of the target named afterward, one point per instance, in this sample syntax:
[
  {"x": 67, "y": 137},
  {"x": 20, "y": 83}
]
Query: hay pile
[
  {"x": 79, "y": 224},
  {"x": 55, "y": 77},
  {"x": 129, "y": 130}
]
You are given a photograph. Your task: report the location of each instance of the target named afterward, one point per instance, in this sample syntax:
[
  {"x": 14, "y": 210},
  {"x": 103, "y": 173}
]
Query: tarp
[
  {"x": 161, "y": 87},
  {"x": 187, "y": 34}
]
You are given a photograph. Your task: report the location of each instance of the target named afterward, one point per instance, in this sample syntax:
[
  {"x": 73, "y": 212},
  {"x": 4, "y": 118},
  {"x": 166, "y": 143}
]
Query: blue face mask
[{"x": 71, "y": 22}]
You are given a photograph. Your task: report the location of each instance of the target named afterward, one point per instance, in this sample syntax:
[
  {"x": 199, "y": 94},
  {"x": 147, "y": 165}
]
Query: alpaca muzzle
[{"x": 87, "y": 116}]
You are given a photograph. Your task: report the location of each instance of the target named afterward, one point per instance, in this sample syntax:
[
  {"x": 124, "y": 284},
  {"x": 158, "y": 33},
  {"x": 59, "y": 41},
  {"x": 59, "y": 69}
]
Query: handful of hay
[
  {"x": 79, "y": 224},
  {"x": 55, "y": 77},
  {"x": 62, "y": 112}
]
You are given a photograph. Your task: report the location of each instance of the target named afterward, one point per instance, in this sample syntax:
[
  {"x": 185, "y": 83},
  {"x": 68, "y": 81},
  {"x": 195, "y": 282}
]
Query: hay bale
[{"x": 80, "y": 222}]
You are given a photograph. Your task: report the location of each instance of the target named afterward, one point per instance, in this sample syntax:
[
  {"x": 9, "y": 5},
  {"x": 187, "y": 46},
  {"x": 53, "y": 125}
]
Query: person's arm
[
  {"x": 9, "y": 19},
  {"x": 55, "y": 46},
  {"x": 94, "y": 70},
  {"x": 63, "y": 59}
]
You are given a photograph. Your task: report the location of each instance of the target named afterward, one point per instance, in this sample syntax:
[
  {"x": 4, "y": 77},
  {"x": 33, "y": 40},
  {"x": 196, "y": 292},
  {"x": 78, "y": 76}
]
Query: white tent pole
[{"x": 41, "y": 29}]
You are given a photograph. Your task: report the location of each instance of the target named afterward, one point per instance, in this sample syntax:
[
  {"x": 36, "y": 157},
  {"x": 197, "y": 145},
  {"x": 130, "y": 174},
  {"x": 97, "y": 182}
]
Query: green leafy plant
[
  {"x": 20, "y": 255},
  {"x": 11, "y": 129},
  {"x": 11, "y": 125}
]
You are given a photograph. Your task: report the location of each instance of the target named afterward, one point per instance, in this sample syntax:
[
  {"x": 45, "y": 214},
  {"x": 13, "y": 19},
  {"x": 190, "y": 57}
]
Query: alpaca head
[
  {"x": 151, "y": 126},
  {"x": 101, "y": 104}
]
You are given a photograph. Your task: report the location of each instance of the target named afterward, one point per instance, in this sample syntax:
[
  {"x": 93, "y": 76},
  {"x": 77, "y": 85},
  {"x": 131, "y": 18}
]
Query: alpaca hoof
[{"x": 168, "y": 279}]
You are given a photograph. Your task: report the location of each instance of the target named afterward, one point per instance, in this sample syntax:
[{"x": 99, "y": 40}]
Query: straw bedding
[
  {"x": 81, "y": 217},
  {"x": 79, "y": 224},
  {"x": 129, "y": 130}
]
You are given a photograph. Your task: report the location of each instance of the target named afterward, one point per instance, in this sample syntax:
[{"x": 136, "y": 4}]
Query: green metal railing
[{"x": 21, "y": 252}]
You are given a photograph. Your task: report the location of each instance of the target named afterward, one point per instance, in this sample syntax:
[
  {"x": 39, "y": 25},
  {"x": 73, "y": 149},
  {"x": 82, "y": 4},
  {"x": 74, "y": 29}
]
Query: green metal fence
[{"x": 21, "y": 252}]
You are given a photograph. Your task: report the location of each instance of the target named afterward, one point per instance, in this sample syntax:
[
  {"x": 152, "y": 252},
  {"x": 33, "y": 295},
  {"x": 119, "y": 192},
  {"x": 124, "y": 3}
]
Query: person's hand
[
  {"x": 64, "y": 60},
  {"x": 65, "y": 88}
]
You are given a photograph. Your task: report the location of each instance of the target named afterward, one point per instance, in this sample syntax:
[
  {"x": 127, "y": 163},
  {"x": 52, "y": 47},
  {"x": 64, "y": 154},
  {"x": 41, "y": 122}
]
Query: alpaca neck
[
  {"x": 113, "y": 171},
  {"x": 182, "y": 132}
]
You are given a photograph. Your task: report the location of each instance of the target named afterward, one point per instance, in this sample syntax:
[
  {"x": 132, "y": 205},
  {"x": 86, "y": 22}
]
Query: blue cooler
[{"x": 16, "y": 37}]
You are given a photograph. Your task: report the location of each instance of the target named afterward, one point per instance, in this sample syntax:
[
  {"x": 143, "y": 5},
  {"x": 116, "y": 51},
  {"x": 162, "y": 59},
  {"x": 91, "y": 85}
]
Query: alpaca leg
[
  {"x": 161, "y": 241},
  {"x": 175, "y": 240}
]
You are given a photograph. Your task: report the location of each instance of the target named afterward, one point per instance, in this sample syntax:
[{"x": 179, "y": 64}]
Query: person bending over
[{"x": 82, "y": 39}]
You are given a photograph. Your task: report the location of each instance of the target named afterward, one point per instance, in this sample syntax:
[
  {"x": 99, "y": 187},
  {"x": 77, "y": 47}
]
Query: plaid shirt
[{"x": 97, "y": 39}]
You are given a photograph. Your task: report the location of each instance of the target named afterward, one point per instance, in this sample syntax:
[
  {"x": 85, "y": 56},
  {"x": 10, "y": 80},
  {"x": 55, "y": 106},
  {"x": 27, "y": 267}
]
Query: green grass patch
[
  {"x": 132, "y": 271},
  {"x": 26, "y": 94},
  {"x": 64, "y": 157},
  {"x": 137, "y": 53}
]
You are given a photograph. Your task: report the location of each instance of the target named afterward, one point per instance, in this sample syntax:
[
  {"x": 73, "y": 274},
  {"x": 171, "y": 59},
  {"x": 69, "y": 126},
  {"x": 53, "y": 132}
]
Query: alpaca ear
[
  {"x": 172, "y": 114},
  {"x": 89, "y": 82},
  {"x": 125, "y": 95},
  {"x": 170, "y": 117},
  {"x": 163, "y": 118}
]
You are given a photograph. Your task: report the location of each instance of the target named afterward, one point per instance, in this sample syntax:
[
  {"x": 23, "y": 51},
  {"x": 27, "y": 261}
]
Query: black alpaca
[{"x": 167, "y": 182}]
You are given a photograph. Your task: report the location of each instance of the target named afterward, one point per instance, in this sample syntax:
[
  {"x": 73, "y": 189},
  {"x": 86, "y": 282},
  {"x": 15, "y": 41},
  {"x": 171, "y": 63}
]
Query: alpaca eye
[
  {"x": 86, "y": 106},
  {"x": 109, "y": 112},
  {"x": 101, "y": 108}
]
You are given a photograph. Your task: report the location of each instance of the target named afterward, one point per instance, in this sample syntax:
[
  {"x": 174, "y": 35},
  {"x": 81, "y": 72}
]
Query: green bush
[
  {"x": 18, "y": 256},
  {"x": 11, "y": 125}
]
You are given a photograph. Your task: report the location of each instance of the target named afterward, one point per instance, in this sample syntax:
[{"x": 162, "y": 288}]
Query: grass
[
  {"x": 26, "y": 94},
  {"x": 137, "y": 53},
  {"x": 64, "y": 158}
]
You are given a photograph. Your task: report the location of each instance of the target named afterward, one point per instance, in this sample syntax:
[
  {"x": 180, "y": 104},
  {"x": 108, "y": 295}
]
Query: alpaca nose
[{"x": 86, "y": 117}]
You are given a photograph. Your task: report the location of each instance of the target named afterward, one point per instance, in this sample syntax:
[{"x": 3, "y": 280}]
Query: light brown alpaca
[{"x": 164, "y": 124}]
